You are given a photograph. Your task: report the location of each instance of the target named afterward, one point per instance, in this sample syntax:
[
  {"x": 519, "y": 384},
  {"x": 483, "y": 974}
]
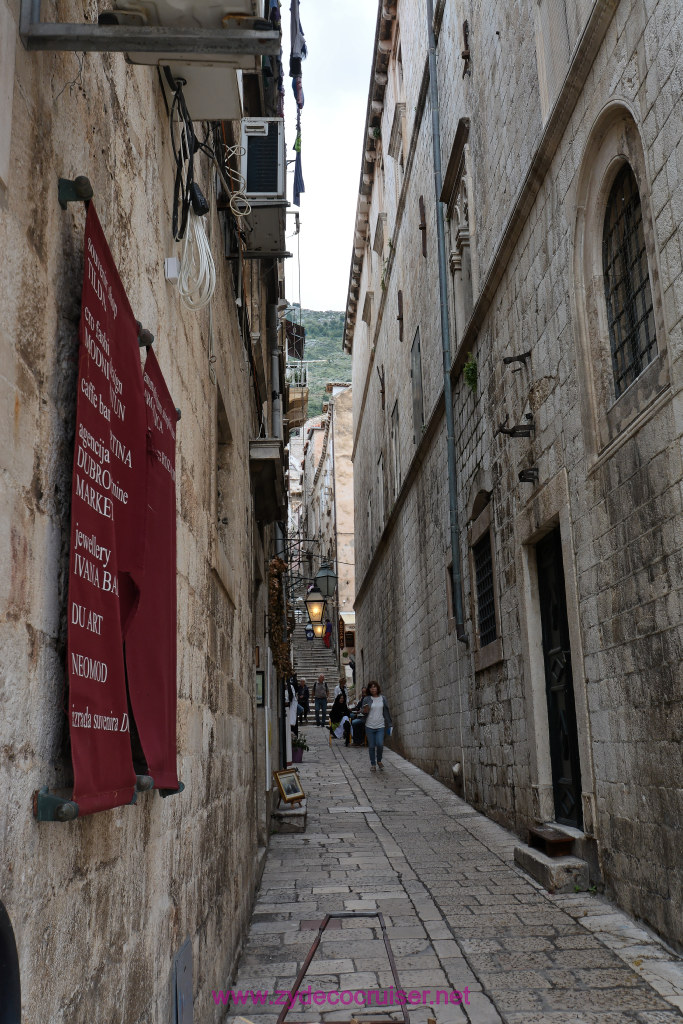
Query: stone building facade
[
  {"x": 561, "y": 142},
  {"x": 100, "y": 906},
  {"x": 328, "y": 497}
]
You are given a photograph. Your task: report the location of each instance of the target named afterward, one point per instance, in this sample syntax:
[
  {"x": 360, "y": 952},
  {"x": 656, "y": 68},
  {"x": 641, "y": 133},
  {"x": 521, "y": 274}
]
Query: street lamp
[
  {"x": 315, "y": 605},
  {"x": 318, "y": 629},
  {"x": 326, "y": 580}
]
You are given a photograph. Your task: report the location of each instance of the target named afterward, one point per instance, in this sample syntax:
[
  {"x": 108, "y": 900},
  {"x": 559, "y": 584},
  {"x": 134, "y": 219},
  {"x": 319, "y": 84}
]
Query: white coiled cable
[{"x": 197, "y": 276}]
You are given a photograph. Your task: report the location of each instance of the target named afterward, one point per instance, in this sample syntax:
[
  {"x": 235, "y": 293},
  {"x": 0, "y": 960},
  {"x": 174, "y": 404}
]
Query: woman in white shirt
[{"x": 377, "y": 719}]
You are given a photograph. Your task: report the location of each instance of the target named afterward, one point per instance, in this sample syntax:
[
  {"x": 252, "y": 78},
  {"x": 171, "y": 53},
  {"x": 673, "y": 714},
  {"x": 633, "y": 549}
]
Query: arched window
[{"x": 630, "y": 315}]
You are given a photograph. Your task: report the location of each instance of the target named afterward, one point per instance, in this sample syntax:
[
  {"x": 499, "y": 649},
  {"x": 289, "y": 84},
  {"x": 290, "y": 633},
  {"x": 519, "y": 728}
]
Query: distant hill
[{"x": 323, "y": 352}]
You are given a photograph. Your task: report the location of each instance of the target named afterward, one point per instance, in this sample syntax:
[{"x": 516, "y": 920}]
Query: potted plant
[{"x": 299, "y": 744}]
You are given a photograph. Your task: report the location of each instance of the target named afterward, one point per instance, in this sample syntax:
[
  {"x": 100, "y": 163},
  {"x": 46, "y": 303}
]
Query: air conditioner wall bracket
[{"x": 37, "y": 35}]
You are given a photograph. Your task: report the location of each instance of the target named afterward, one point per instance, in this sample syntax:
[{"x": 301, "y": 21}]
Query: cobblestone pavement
[{"x": 460, "y": 915}]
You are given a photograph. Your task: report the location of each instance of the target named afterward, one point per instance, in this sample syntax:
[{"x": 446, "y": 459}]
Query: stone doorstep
[{"x": 556, "y": 874}]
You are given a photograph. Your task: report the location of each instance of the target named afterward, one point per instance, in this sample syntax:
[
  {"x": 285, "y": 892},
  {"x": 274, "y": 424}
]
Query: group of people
[{"x": 369, "y": 718}]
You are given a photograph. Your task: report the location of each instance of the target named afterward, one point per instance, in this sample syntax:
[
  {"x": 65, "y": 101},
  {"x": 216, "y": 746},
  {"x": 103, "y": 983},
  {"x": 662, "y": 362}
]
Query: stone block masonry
[
  {"x": 460, "y": 915},
  {"x": 533, "y": 183}
]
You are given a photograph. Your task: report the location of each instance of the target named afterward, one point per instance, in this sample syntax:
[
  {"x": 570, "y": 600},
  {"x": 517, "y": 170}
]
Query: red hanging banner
[
  {"x": 151, "y": 639},
  {"x": 107, "y": 530}
]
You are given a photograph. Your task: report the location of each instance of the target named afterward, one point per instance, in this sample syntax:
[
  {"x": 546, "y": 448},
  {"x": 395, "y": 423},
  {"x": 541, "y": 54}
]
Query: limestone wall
[
  {"x": 343, "y": 497},
  {"x": 99, "y": 906},
  {"x": 609, "y": 477}
]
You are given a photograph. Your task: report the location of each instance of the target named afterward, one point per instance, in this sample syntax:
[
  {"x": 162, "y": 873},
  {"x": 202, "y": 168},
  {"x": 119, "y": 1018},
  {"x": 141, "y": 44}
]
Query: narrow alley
[{"x": 460, "y": 915}]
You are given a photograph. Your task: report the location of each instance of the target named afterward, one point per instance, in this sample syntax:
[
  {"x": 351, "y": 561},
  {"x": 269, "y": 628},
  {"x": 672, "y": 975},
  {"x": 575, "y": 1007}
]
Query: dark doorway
[
  {"x": 10, "y": 987},
  {"x": 564, "y": 746}
]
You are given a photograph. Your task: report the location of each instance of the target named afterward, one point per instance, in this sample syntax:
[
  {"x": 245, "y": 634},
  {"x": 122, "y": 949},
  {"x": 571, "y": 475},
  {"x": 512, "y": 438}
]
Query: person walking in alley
[
  {"x": 377, "y": 719},
  {"x": 320, "y": 693},
  {"x": 303, "y": 698}
]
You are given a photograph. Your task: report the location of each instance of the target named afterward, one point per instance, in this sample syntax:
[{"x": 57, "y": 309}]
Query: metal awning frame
[{"x": 37, "y": 35}]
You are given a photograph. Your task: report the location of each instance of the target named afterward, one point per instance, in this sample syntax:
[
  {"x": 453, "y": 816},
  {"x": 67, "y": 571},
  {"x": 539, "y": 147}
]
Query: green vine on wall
[
  {"x": 279, "y": 633},
  {"x": 469, "y": 372}
]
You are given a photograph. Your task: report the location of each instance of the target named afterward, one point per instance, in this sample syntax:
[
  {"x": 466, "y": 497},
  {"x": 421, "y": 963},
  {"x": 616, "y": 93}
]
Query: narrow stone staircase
[{"x": 311, "y": 657}]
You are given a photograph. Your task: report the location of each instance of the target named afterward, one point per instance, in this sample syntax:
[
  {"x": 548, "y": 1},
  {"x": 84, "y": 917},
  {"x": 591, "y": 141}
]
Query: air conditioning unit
[
  {"x": 263, "y": 157},
  {"x": 212, "y": 88}
]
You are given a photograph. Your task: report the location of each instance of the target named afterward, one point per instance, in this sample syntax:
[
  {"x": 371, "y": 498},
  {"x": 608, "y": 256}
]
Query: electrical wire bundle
[{"x": 197, "y": 276}]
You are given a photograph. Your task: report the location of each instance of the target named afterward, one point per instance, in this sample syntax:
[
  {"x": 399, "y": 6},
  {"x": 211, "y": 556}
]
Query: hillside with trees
[{"x": 323, "y": 353}]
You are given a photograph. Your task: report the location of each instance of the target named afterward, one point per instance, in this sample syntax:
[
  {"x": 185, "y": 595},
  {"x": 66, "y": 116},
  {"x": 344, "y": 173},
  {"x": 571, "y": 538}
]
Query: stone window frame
[
  {"x": 608, "y": 421},
  {"x": 481, "y": 524},
  {"x": 622, "y": 231},
  {"x": 457, "y": 194},
  {"x": 222, "y": 433},
  {"x": 380, "y": 492},
  {"x": 395, "y": 450},
  {"x": 417, "y": 387},
  {"x": 553, "y": 49}
]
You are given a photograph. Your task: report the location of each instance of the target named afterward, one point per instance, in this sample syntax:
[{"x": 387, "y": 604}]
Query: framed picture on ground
[
  {"x": 260, "y": 687},
  {"x": 289, "y": 784}
]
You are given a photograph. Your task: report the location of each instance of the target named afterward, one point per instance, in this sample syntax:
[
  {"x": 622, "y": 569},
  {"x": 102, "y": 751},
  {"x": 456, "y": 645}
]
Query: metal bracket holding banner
[
  {"x": 311, "y": 953},
  {"x": 36, "y": 35},
  {"x": 77, "y": 191},
  {"x": 49, "y": 807},
  {"x": 145, "y": 337},
  {"x": 172, "y": 792}
]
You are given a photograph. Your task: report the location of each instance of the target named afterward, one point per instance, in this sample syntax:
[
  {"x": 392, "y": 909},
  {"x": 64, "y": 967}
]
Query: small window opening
[{"x": 630, "y": 314}]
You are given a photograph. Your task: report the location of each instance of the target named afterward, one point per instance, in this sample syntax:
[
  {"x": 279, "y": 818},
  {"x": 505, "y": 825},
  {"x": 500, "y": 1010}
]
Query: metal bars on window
[
  {"x": 633, "y": 339},
  {"x": 486, "y": 606}
]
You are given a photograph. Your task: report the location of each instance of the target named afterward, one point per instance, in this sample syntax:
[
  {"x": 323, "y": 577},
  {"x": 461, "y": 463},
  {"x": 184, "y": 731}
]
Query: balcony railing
[{"x": 296, "y": 374}]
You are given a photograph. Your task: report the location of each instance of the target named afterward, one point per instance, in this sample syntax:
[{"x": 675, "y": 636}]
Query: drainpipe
[
  {"x": 272, "y": 327},
  {"x": 272, "y": 324},
  {"x": 445, "y": 332}
]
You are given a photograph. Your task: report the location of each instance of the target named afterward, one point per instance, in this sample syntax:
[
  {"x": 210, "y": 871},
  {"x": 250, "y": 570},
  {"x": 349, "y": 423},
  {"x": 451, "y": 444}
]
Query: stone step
[{"x": 556, "y": 874}]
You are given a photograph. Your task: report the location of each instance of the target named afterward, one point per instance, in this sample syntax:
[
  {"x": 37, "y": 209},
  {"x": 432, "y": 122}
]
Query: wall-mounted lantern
[
  {"x": 326, "y": 580},
  {"x": 315, "y": 605}
]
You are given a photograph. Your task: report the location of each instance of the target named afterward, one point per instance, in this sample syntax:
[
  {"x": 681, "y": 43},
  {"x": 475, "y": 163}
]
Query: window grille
[
  {"x": 486, "y": 608},
  {"x": 630, "y": 315}
]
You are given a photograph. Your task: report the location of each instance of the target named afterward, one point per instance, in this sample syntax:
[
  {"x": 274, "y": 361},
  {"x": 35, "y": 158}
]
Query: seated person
[{"x": 340, "y": 723}]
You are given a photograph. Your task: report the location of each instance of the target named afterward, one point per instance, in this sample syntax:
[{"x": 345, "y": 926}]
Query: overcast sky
[{"x": 336, "y": 76}]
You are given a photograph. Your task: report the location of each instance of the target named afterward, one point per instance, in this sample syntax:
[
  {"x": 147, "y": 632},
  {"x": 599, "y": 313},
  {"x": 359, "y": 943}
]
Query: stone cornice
[{"x": 371, "y": 148}]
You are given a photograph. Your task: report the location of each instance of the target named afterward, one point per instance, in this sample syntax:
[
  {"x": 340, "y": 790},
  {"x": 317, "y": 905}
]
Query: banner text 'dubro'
[{"x": 108, "y": 520}]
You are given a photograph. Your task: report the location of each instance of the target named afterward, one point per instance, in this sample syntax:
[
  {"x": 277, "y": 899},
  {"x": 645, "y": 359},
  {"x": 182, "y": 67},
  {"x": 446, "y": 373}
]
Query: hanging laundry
[
  {"x": 299, "y": 186},
  {"x": 298, "y": 43},
  {"x": 298, "y": 90},
  {"x": 275, "y": 17},
  {"x": 297, "y": 53}
]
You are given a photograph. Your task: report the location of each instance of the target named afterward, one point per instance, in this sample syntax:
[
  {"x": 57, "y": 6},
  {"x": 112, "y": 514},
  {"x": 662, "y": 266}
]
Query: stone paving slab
[{"x": 460, "y": 915}]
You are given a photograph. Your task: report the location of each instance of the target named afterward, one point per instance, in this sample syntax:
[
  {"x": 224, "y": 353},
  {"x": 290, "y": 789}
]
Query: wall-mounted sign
[
  {"x": 109, "y": 514},
  {"x": 151, "y": 639},
  {"x": 260, "y": 688},
  {"x": 107, "y": 532}
]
